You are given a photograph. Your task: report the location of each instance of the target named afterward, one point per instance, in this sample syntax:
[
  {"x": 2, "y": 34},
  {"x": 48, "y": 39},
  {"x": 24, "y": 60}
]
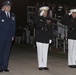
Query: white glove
[
  {"x": 50, "y": 41},
  {"x": 42, "y": 12},
  {"x": 70, "y": 13}
]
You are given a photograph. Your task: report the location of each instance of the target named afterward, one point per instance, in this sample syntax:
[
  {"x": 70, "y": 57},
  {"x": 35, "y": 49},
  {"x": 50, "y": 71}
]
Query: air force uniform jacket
[{"x": 7, "y": 26}]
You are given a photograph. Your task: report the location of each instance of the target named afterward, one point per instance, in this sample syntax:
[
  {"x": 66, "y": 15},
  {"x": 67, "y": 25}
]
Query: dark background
[{"x": 19, "y": 7}]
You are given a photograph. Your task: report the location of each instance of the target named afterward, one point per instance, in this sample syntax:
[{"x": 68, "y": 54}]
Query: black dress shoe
[
  {"x": 72, "y": 66},
  {"x": 46, "y": 68},
  {"x": 1, "y": 70},
  {"x": 40, "y": 68},
  {"x": 6, "y": 70}
]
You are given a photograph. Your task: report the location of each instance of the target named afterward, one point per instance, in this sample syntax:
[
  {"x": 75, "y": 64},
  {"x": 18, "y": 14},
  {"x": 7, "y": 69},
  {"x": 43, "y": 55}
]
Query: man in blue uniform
[{"x": 7, "y": 33}]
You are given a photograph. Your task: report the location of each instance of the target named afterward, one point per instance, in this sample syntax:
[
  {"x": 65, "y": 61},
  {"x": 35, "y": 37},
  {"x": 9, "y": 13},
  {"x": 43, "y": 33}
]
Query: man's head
[
  {"x": 44, "y": 11},
  {"x": 7, "y": 6},
  {"x": 73, "y": 13}
]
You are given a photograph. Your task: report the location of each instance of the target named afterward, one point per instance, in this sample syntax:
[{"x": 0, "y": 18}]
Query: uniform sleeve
[
  {"x": 67, "y": 20},
  {"x": 0, "y": 17},
  {"x": 37, "y": 22},
  {"x": 14, "y": 26}
]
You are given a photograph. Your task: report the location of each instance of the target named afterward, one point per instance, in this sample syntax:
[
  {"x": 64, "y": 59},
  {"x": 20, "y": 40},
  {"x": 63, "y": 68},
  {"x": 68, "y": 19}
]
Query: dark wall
[{"x": 19, "y": 7}]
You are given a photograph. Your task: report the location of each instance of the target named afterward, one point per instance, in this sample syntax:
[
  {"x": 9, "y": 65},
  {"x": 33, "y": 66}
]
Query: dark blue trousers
[{"x": 4, "y": 53}]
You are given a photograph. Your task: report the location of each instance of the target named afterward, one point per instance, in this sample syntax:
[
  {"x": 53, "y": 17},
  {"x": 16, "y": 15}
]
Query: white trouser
[
  {"x": 42, "y": 52},
  {"x": 71, "y": 52}
]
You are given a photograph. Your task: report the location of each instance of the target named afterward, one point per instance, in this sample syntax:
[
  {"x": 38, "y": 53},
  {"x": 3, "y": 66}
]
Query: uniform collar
[{"x": 8, "y": 13}]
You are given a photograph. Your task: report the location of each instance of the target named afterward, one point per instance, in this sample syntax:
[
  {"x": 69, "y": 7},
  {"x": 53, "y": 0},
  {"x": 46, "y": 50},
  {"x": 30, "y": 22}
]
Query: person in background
[
  {"x": 27, "y": 35},
  {"x": 43, "y": 33},
  {"x": 66, "y": 11},
  {"x": 60, "y": 12},
  {"x": 31, "y": 34},
  {"x": 7, "y": 34},
  {"x": 50, "y": 10},
  {"x": 18, "y": 38},
  {"x": 36, "y": 9}
]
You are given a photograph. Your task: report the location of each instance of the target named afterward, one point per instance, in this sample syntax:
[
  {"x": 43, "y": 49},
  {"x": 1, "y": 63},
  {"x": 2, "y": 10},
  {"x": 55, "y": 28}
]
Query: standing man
[
  {"x": 7, "y": 34},
  {"x": 42, "y": 36},
  {"x": 70, "y": 21},
  {"x": 60, "y": 12}
]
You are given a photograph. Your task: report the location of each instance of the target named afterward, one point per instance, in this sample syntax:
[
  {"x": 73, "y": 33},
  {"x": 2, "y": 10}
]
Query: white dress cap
[
  {"x": 72, "y": 11},
  {"x": 45, "y": 8}
]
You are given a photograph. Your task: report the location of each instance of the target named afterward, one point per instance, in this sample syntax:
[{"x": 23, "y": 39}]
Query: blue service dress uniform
[{"x": 7, "y": 31}]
